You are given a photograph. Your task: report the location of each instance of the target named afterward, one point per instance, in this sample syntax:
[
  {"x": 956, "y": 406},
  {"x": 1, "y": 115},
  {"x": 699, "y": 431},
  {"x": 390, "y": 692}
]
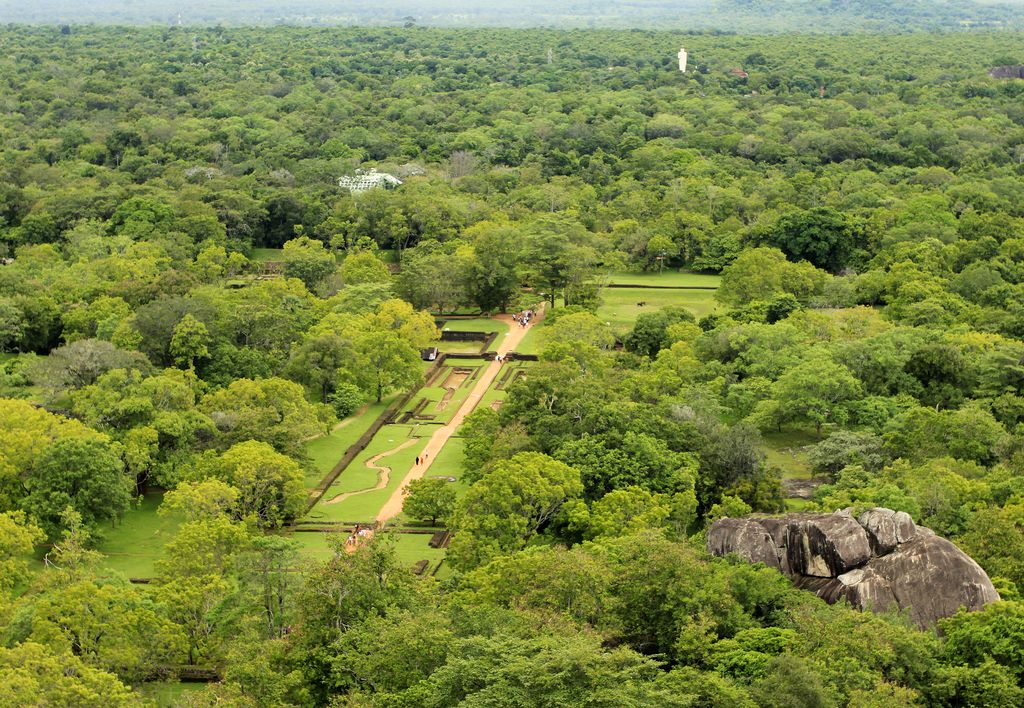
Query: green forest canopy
[{"x": 859, "y": 196}]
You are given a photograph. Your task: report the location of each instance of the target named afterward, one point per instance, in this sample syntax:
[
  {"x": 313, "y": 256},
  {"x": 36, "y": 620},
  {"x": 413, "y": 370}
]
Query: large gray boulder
[
  {"x": 825, "y": 545},
  {"x": 746, "y": 538},
  {"x": 878, "y": 561}
]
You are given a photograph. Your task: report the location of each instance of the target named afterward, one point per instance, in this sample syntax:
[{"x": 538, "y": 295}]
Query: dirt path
[
  {"x": 383, "y": 473},
  {"x": 507, "y": 343}
]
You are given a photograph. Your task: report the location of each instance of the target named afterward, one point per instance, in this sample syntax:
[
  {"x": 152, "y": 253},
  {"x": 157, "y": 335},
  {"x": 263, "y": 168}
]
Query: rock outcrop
[
  {"x": 1007, "y": 72},
  {"x": 877, "y": 561}
]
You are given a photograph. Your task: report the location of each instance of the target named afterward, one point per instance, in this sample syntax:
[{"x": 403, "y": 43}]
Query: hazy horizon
[{"x": 742, "y": 16}]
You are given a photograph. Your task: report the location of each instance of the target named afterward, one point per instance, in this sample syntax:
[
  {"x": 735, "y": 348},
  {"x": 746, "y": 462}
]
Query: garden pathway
[
  {"x": 508, "y": 343},
  {"x": 383, "y": 473}
]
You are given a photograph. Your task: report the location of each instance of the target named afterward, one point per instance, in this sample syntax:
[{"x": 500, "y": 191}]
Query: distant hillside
[{"x": 741, "y": 16}]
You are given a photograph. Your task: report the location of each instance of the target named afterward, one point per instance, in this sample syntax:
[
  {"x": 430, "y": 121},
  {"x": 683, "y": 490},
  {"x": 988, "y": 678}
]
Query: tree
[
  {"x": 502, "y": 511},
  {"x": 201, "y": 500},
  {"x": 579, "y": 328},
  {"x": 995, "y": 539},
  {"x": 622, "y": 512},
  {"x": 650, "y": 330},
  {"x": 846, "y": 447},
  {"x": 12, "y": 325},
  {"x": 659, "y": 249},
  {"x": 270, "y": 485},
  {"x": 992, "y": 634},
  {"x": 430, "y": 500},
  {"x": 364, "y": 267},
  {"x": 416, "y": 327},
  {"x": 32, "y": 673},
  {"x": 18, "y": 537},
  {"x": 270, "y": 410},
  {"x": 426, "y": 279},
  {"x": 189, "y": 342},
  {"x": 197, "y": 581},
  {"x": 322, "y": 362},
  {"x": 269, "y": 584},
  {"x": 81, "y": 362},
  {"x": 307, "y": 259},
  {"x": 385, "y": 362},
  {"x": 970, "y": 433},
  {"x": 560, "y": 264},
  {"x": 763, "y": 273},
  {"x": 535, "y": 671},
  {"x": 86, "y": 475},
  {"x": 822, "y": 235},
  {"x": 606, "y": 463},
  {"x": 817, "y": 392},
  {"x": 110, "y": 625},
  {"x": 490, "y": 274},
  {"x": 790, "y": 681},
  {"x": 341, "y": 593}
]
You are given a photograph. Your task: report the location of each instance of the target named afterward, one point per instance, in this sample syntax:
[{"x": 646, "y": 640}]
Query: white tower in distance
[{"x": 682, "y": 60}]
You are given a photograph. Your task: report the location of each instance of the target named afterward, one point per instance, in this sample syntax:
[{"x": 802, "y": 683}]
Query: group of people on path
[
  {"x": 361, "y": 533},
  {"x": 421, "y": 459},
  {"x": 523, "y": 318}
]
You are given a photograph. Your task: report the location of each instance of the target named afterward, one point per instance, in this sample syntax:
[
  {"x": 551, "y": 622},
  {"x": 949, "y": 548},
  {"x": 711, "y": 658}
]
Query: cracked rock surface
[{"x": 877, "y": 561}]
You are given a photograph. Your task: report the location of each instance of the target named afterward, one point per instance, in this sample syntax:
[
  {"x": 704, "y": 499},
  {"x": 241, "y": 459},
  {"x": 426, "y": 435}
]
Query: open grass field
[
  {"x": 620, "y": 306},
  {"x": 458, "y": 347},
  {"x": 475, "y": 324},
  {"x": 315, "y": 545},
  {"x": 530, "y": 343},
  {"x": 410, "y": 548},
  {"x": 261, "y": 255},
  {"x": 134, "y": 546},
  {"x": 357, "y": 477},
  {"x": 325, "y": 451},
  {"x": 786, "y": 451},
  {"x": 166, "y": 694},
  {"x": 667, "y": 278}
]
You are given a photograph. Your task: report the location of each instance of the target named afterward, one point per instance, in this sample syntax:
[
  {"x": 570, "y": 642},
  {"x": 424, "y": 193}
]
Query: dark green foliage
[
  {"x": 822, "y": 235},
  {"x": 649, "y": 335},
  {"x": 83, "y": 475}
]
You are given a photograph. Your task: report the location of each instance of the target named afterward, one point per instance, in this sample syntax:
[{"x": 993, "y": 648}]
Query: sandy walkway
[
  {"x": 383, "y": 473},
  {"x": 508, "y": 343}
]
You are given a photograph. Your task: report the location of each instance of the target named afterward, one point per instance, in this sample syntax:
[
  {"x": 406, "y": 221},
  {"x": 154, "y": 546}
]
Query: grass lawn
[
  {"x": 785, "y": 450},
  {"x": 475, "y": 324},
  {"x": 134, "y": 546},
  {"x": 266, "y": 254},
  {"x": 413, "y": 547},
  {"x": 409, "y": 548},
  {"x": 165, "y": 694},
  {"x": 530, "y": 344},
  {"x": 448, "y": 462},
  {"x": 619, "y": 305},
  {"x": 669, "y": 278},
  {"x": 364, "y": 507},
  {"x": 458, "y": 347},
  {"x": 794, "y": 504},
  {"x": 314, "y": 545},
  {"x": 326, "y": 450}
]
